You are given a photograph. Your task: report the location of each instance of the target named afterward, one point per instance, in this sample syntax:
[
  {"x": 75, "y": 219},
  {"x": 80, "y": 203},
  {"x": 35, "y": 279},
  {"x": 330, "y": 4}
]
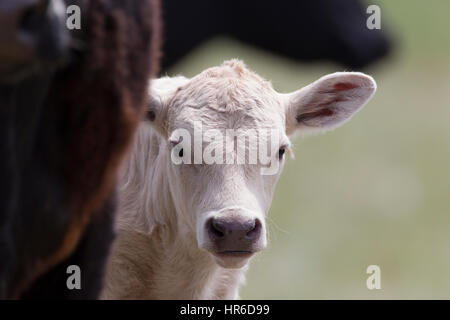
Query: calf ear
[
  {"x": 161, "y": 91},
  {"x": 328, "y": 102},
  {"x": 156, "y": 113}
]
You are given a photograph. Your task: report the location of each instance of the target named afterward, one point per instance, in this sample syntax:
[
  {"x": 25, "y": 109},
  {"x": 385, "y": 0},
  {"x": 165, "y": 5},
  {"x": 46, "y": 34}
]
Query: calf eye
[
  {"x": 150, "y": 115},
  {"x": 281, "y": 152}
]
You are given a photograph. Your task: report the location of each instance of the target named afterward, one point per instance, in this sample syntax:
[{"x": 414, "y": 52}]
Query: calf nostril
[
  {"x": 216, "y": 228},
  {"x": 220, "y": 229},
  {"x": 255, "y": 230}
]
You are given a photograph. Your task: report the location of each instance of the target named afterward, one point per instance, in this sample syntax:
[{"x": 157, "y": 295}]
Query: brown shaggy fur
[{"x": 90, "y": 114}]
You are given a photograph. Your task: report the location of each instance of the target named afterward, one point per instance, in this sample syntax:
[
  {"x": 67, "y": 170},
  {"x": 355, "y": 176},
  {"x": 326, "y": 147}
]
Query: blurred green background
[{"x": 375, "y": 191}]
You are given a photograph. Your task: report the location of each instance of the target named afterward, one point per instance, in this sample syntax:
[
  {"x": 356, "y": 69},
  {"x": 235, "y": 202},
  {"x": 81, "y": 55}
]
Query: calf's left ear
[{"x": 328, "y": 102}]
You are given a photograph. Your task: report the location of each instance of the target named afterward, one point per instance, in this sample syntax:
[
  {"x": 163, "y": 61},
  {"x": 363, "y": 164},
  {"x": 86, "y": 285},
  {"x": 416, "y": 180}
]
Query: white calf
[{"x": 187, "y": 226}]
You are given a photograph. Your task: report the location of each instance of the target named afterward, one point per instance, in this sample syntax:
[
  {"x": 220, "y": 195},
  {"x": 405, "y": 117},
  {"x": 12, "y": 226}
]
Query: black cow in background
[
  {"x": 304, "y": 30},
  {"x": 70, "y": 101}
]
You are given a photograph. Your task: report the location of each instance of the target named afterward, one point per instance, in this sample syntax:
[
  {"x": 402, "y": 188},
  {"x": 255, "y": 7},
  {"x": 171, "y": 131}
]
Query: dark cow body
[
  {"x": 302, "y": 30},
  {"x": 68, "y": 110},
  {"x": 90, "y": 255}
]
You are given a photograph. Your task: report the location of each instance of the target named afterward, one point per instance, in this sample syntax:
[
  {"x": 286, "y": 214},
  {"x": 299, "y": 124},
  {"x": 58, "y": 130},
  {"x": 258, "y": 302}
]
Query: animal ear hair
[
  {"x": 328, "y": 102},
  {"x": 156, "y": 113},
  {"x": 161, "y": 91}
]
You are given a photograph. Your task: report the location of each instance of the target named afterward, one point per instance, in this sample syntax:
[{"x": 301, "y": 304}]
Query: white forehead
[{"x": 229, "y": 96}]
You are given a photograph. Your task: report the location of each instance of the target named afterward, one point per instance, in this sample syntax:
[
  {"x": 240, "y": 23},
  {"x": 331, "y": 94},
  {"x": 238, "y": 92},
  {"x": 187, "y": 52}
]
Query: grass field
[{"x": 375, "y": 191}]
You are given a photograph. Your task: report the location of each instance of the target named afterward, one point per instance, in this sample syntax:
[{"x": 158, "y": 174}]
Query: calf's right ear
[
  {"x": 156, "y": 113},
  {"x": 161, "y": 92}
]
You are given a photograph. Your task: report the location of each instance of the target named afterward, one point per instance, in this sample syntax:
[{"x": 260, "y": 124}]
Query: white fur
[{"x": 162, "y": 250}]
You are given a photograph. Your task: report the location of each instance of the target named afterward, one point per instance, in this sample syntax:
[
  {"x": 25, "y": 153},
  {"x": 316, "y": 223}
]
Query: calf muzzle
[{"x": 234, "y": 236}]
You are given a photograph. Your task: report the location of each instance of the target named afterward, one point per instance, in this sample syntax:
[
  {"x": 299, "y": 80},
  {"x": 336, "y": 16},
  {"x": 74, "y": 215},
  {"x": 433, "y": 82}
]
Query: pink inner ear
[
  {"x": 326, "y": 112},
  {"x": 344, "y": 86}
]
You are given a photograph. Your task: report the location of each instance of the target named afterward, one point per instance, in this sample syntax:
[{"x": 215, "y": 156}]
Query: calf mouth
[
  {"x": 235, "y": 253},
  {"x": 232, "y": 259}
]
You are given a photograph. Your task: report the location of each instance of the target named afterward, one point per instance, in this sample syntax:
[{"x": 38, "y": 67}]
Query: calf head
[{"x": 214, "y": 124}]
